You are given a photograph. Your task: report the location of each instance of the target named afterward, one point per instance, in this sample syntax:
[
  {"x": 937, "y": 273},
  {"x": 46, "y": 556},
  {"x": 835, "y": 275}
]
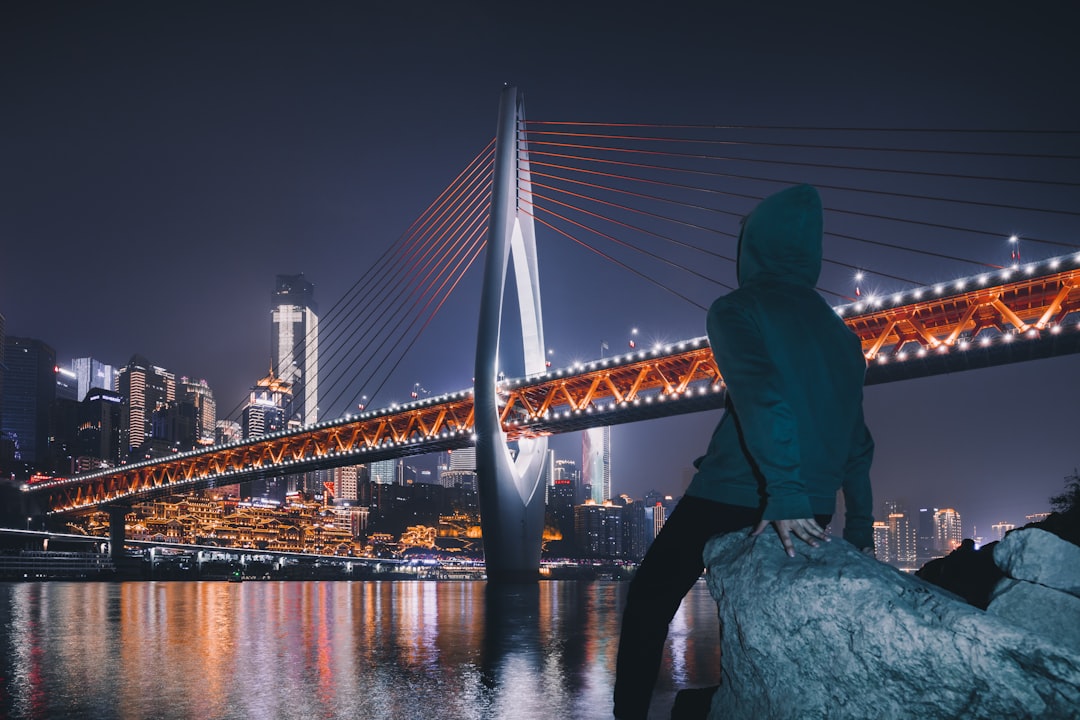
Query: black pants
[{"x": 670, "y": 568}]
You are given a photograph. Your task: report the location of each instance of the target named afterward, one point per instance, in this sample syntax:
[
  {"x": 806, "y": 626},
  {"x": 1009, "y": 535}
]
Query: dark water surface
[{"x": 409, "y": 649}]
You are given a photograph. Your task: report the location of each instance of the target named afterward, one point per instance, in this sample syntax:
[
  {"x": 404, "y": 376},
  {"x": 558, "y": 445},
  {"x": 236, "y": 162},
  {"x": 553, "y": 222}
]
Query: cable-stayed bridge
[{"x": 580, "y": 186}]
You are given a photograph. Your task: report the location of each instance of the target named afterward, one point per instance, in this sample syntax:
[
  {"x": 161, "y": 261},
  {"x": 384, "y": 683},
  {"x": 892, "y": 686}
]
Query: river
[{"x": 334, "y": 649}]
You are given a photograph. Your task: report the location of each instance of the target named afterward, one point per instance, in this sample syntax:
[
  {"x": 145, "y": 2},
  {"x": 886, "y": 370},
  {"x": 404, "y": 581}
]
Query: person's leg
[{"x": 670, "y": 568}]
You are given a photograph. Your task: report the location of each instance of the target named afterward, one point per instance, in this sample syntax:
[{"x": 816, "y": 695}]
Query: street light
[{"x": 28, "y": 523}]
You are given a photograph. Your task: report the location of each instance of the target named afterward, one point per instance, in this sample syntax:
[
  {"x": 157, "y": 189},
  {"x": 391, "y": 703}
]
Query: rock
[
  {"x": 1039, "y": 557},
  {"x": 836, "y": 634},
  {"x": 1052, "y": 613},
  {"x": 970, "y": 573}
]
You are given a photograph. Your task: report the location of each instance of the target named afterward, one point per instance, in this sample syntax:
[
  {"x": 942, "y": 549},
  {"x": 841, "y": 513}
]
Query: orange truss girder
[
  {"x": 1025, "y": 304},
  {"x": 1020, "y": 305}
]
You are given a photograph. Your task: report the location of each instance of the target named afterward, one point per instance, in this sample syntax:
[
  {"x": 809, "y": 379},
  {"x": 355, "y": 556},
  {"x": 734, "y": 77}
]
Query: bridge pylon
[{"x": 510, "y": 485}]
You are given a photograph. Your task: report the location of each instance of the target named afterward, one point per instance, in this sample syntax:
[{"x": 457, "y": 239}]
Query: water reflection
[{"x": 326, "y": 649}]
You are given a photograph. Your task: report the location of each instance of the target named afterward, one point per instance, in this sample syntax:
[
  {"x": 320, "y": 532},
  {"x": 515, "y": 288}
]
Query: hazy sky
[{"x": 161, "y": 163}]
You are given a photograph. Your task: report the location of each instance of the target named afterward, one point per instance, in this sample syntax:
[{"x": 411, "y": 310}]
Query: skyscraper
[
  {"x": 596, "y": 460},
  {"x": 28, "y": 394},
  {"x": 145, "y": 388},
  {"x": 295, "y": 344},
  {"x": 201, "y": 397},
  {"x": 267, "y": 405},
  {"x": 89, "y": 373},
  {"x": 99, "y": 432}
]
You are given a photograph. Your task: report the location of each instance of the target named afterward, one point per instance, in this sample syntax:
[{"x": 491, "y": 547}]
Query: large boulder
[
  {"x": 1039, "y": 609},
  {"x": 833, "y": 633},
  {"x": 1037, "y": 556}
]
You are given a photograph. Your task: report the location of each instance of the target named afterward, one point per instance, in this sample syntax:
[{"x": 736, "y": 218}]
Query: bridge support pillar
[
  {"x": 511, "y": 492},
  {"x": 117, "y": 532}
]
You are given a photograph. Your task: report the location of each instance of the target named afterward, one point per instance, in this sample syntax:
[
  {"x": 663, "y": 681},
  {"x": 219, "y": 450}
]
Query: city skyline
[{"x": 135, "y": 168}]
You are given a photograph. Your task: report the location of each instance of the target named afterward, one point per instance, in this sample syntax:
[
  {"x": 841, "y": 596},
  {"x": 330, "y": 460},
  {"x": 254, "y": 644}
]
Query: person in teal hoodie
[{"x": 791, "y": 436}]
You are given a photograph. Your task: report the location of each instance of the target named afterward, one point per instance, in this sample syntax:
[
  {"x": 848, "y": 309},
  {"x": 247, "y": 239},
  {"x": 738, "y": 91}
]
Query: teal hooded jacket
[{"x": 792, "y": 433}]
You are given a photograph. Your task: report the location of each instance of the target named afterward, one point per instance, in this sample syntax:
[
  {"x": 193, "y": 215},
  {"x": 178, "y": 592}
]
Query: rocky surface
[
  {"x": 1039, "y": 609},
  {"x": 836, "y": 634},
  {"x": 1037, "y": 556}
]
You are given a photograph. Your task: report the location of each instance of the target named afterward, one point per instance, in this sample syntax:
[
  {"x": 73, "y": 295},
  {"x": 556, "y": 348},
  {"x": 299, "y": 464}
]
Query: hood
[{"x": 781, "y": 239}]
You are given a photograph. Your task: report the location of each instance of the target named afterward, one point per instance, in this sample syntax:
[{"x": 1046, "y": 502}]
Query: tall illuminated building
[
  {"x": 267, "y": 406},
  {"x": 598, "y": 530},
  {"x": 384, "y": 472},
  {"x": 902, "y": 544},
  {"x": 658, "y": 515},
  {"x": 460, "y": 470},
  {"x": 347, "y": 482},
  {"x": 947, "y": 530},
  {"x": 295, "y": 344},
  {"x": 145, "y": 388},
  {"x": 201, "y": 397},
  {"x": 567, "y": 470},
  {"x": 596, "y": 461},
  {"x": 90, "y": 373}
]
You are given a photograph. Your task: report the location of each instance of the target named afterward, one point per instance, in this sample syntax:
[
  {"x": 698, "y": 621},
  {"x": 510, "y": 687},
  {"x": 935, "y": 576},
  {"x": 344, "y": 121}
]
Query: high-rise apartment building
[
  {"x": 947, "y": 530},
  {"x": 90, "y": 373},
  {"x": 901, "y": 547},
  {"x": 596, "y": 461},
  {"x": 295, "y": 344},
  {"x": 145, "y": 388},
  {"x": 28, "y": 393},
  {"x": 598, "y": 530},
  {"x": 347, "y": 482},
  {"x": 637, "y": 534}
]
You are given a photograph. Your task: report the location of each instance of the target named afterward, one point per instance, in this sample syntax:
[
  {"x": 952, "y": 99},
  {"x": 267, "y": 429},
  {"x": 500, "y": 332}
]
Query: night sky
[{"x": 160, "y": 163}]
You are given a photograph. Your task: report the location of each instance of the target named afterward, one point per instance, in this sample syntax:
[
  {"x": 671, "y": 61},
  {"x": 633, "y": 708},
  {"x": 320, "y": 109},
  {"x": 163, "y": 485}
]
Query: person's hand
[{"x": 806, "y": 529}]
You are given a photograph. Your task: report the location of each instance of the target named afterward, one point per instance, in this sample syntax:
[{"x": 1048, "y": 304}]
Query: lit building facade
[
  {"x": 90, "y": 373},
  {"x": 201, "y": 398},
  {"x": 947, "y": 530},
  {"x": 385, "y": 472},
  {"x": 267, "y": 405},
  {"x": 295, "y": 344},
  {"x": 145, "y": 388},
  {"x": 596, "y": 461},
  {"x": 99, "y": 435},
  {"x": 1001, "y": 528},
  {"x": 347, "y": 482},
  {"x": 598, "y": 530}
]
